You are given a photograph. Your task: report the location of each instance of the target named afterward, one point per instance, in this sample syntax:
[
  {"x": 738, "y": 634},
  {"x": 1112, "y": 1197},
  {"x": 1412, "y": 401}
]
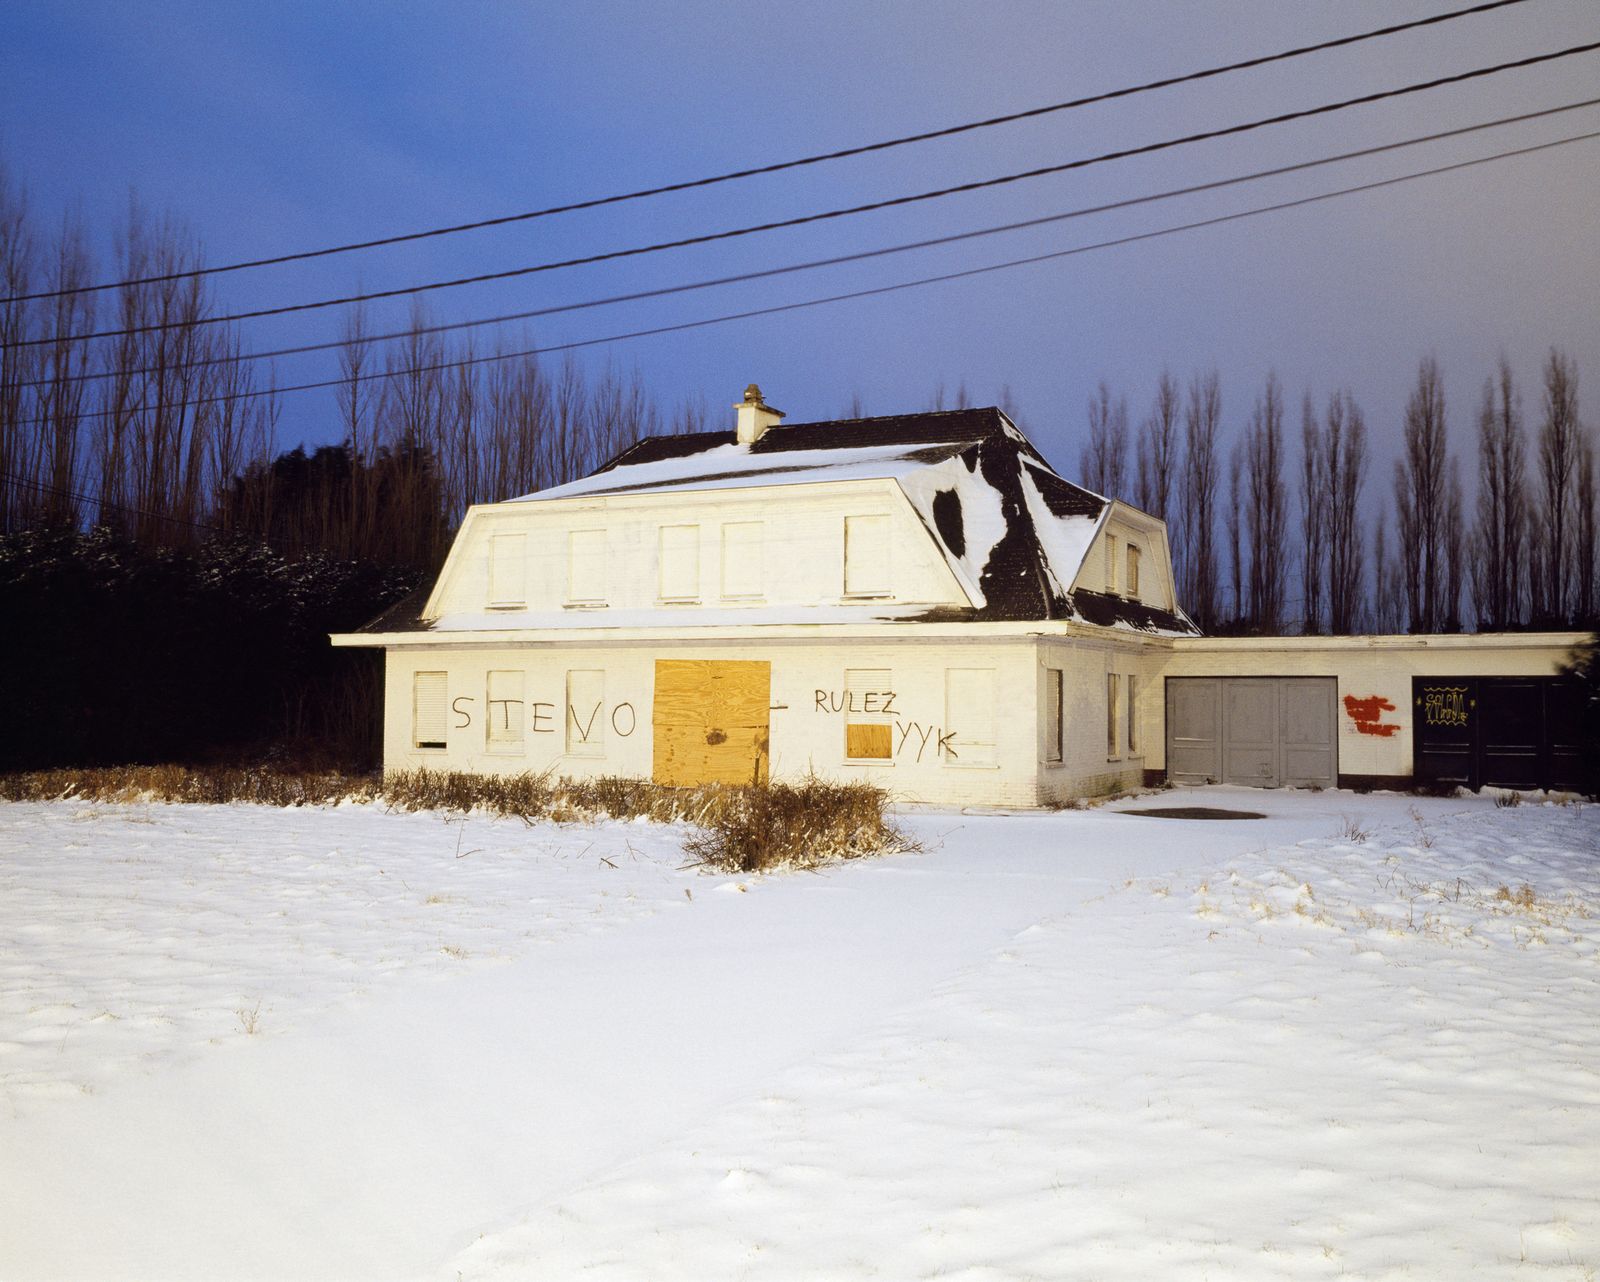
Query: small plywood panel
[
  {"x": 710, "y": 721},
  {"x": 868, "y": 742}
]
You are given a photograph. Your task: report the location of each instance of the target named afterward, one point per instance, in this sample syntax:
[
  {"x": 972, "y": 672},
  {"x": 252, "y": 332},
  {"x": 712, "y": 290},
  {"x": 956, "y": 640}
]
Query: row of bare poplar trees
[
  {"x": 167, "y": 434},
  {"x": 1249, "y": 558}
]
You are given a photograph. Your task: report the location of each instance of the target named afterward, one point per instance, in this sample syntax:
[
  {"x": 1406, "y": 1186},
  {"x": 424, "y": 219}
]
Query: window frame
[
  {"x": 1113, "y": 716},
  {"x": 691, "y": 544},
  {"x": 593, "y": 744},
  {"x": 886, "y": 592},
  {"x": 1055, "y": 713},
  {"x": 868, "y": 681},
  {"x": 512, "y": 741},
  {"x": 418, "y": 744},
  {"x": 498, "y": 601},
  {"x": 760, "y": 545},
  {"x": 572, "y": 600}
]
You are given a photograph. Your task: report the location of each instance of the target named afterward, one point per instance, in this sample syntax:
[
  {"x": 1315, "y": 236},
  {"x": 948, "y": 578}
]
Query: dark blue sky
[{"x": 284, "y": 126}]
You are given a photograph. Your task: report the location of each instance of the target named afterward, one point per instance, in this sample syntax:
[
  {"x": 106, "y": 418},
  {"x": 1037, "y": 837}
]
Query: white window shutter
[
  {"x": 866, "y": 556},
  {"x": 586, "y": 567},
  {"x": 508, "y": 577},
  {"x": 743, "y": 556},
  {"x": 428, "y": 709},
  {"x": 503, "y": 728},
  {"x": 586, "y": 713},
  {"x": 969, "y": 715},
  {"x": 680, "y": 562}
]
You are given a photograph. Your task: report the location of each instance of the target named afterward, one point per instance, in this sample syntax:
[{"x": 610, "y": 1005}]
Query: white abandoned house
[{"x": 918, "y": 600}]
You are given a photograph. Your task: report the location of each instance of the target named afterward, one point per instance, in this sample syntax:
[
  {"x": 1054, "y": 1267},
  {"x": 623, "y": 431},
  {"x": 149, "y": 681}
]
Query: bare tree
[
  {"x": 1420, "y": 496},
  {"x": 1315, "y": 499},
  {"x": 1104, "y": 459},
  {"x": 1388, "y": 609},
  {"x": 1585, "y": 550},
  {"x": 1498, "y": 536},
  {"x": 1345, "y": 468},
  {"x": 1454, "y": 541},
  {"x": 1268, "y": 509},
  {"x": 1201, "y": 475},
  {"x": 1558, "y": 465},
  {"x": 1234, "y": 519},
  {"x": 1157, "y": 450}
]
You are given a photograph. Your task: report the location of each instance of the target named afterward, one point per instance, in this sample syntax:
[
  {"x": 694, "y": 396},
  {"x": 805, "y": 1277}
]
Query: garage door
[
  {"x": 710, "y": 721},
  {"x": 1268, "y": 731},
  {"x": 1508, "y": 732}
]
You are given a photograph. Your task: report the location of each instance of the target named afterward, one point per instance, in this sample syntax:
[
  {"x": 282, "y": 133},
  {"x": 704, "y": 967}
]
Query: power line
[
  {"x": 837, "y": 260},
  {"x": 827, "y": 215},
  {"x": 753, "y": 313},
  {"x": 781, "y": 166},
  {"x": 16, "y": 480}
]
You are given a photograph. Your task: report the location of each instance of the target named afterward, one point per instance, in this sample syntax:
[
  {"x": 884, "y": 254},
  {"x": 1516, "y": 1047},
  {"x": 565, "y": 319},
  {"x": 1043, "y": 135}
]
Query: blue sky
[{"x": 277, "y": 127}]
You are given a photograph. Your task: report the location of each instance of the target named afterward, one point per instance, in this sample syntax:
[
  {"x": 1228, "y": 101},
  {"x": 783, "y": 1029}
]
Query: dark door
[{"x": 1499, "y": 732}]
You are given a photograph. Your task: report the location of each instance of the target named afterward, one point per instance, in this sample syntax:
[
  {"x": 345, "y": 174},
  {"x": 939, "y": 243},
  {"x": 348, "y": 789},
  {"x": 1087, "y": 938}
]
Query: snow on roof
[{"x": 736, "y": 466}]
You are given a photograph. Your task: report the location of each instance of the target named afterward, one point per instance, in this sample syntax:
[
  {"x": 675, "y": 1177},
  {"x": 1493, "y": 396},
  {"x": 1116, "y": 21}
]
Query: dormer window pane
[
  {"x": 866, "y": 556},
  {"x": 1133, "y": 571},
  {"x": 586, "y": 567},
  {"x": 742, "y": 557},
  {"x": 508, "y": 578},
  {"x": 680, "y": 562}
]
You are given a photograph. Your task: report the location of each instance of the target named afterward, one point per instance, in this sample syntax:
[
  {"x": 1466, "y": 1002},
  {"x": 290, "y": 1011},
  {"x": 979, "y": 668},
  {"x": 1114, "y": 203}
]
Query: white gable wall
[{"x": 1121, "y": 527}]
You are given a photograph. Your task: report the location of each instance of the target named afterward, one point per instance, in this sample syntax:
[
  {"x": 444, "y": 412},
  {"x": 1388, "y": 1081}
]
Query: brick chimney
[{"x": 755, "y": 417}]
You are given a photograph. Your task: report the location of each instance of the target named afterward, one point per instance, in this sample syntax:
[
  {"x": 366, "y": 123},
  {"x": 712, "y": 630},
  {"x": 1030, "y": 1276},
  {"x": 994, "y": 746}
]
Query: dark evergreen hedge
[{"x": 116, "y": 652}]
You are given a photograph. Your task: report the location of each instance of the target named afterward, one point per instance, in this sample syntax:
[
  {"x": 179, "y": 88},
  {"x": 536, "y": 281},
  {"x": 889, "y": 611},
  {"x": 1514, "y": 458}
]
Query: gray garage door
[{"x": 1267, "y": 731}]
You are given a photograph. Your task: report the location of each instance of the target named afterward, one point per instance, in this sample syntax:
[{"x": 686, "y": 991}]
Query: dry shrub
[
  {"x": 756, "y": 829},
  {"x": 741, "y": 829}
]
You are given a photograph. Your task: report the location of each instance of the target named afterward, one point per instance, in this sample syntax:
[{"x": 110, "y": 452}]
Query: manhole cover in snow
[{"x": 1194, "y": 812}]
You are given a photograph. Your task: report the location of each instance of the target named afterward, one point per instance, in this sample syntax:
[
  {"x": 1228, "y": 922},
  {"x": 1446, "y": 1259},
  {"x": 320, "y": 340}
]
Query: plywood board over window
[
  {"x": 586, "y": 567},
  {"x": 709, "y": 721},
  {"x": 866, "y": 556},
  {"x": 1113, "y": 712},
  {"x": 428, "y": 709},
  {"x": 969, "y": 718},
  {"x": 868, "y": 727},
  {"x": 743, "y": 568},
  {"x": 503, "y": 726},
  {"x": 679, "y": 558},
  {"x": 508, "y": 574},
  {"x": 586, "y": 715},
  {"x": 1135, "y": 739},
  {"x": 1133, "y": 571}
]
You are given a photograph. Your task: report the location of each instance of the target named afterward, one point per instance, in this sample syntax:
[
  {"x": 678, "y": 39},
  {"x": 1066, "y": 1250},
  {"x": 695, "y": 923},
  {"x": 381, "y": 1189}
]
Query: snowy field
[{"x": 1358, "y": 1038}]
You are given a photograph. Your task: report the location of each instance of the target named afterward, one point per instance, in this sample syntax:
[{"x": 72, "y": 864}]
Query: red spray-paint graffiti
[{"x": 1368, "y": 715}]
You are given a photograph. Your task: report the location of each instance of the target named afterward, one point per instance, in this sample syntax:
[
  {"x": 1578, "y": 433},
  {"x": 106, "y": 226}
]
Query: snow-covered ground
[{"x": 1360, "y": 1037}]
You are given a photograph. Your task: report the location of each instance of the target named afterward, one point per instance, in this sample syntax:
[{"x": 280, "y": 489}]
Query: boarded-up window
[
  {"x": 866, "y": 556},
  {"x": 1111, "y": 563},
  {"x": 1134, "y": 737},
  {"x": 508, "y": 577},
  {"x": 1113, "y": 711},
  {"x": 586, "y": 567},
  {"x": 503, "y": 700},
  {"x": 1133, "y": 572},
  {"x": 969, "y": 718},
  {"x": 680, "y": 562},
  {"x": 1055, "y": 715},
  {"x": 742, "y": 559},
  {"x": 868, "y": 714},
  {"x": 586, "y": 716},
  {"x": 428, "y": 710}
]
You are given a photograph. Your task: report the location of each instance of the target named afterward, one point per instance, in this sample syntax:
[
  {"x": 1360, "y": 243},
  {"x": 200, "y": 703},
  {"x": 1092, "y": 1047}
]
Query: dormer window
[
  {"x": 680, "y": 563},
  {"x": 1133, "y": 572},
  {"x": 586, "y": 568},
  {"x": 508, "y": 575},
  {"x": 866, "y": 557},
  {"x": 743, "y": 571}
]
